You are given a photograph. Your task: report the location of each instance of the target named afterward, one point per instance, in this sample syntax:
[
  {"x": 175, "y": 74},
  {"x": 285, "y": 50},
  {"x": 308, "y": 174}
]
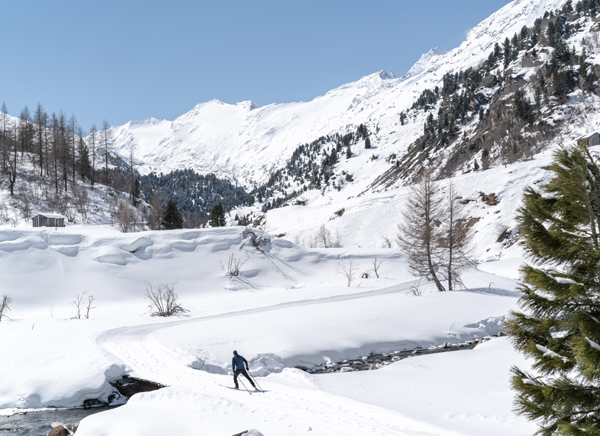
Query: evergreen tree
[
  {"x": 562, "y": 84},
  {"x": 497, "y": 50},
  {"x": 523, "y": 108},
  {"x": 217, "y": 216},
  {"x": 136, "y": 192},
  {"x": 172, "y": 218},
  {"x": 583, "y": 71},
  {"x": 560, "y": 330},
  {"x": 507, "y": 53},
  {"x": 367, "y": 143},
  {"x": 83, "y": 160},
  {"x": 333, "y": 157}
]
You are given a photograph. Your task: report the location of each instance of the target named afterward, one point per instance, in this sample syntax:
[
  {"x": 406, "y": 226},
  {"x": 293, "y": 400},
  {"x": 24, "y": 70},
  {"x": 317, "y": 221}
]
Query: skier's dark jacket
[{"x": 238, "y": 362}]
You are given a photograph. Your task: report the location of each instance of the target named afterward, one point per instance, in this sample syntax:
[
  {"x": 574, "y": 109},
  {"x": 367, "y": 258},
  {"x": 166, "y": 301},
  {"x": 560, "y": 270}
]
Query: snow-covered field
[{"x": 289, "y": 307}]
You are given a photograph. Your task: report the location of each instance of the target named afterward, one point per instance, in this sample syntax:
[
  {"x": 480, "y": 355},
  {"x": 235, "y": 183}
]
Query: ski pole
[
  {"x": 245, "y": 386},
  {"x": 256, "y": 383}
]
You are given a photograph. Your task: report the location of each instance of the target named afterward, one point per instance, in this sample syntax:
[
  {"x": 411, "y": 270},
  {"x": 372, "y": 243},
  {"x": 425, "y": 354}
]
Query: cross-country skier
[{"x": 240, "y": 366}]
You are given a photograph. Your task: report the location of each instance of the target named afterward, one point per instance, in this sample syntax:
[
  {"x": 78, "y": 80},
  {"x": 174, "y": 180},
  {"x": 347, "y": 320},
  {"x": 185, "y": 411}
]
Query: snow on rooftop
[{"x": 50, "y": 215}]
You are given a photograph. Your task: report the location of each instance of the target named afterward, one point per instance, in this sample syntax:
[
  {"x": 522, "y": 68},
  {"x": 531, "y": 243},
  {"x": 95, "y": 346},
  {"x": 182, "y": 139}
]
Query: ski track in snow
[{"x": 139, "y": 348}]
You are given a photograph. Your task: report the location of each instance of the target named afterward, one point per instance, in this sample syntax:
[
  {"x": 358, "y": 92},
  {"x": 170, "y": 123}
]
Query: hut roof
[
  {"x": 586, "y": 136},
  {"x": 50, "y": 215}
]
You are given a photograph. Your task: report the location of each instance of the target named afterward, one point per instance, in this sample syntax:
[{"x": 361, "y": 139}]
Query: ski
[
  {"x": 234, "y": 389},
  {"x": 250, "y": 392}
]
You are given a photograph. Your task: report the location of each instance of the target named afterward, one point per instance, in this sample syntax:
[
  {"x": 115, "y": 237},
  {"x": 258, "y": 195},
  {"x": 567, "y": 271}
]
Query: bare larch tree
[
  {"x": 420, "y": 232},
  {"x": 456, "y": 239}
]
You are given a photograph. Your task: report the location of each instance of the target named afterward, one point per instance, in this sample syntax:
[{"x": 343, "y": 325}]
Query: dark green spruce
[
  {"x": 172, "y": 218},
  {"x": 217, "y": 216},
  {"x": 559, "y": 328}
]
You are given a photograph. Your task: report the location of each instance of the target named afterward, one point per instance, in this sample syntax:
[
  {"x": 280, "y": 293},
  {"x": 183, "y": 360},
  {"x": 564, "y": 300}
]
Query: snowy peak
[
  {"x": 386, "y": 75},
  {"x": 378, "y": 80},
  {"x": 424, "y": 63},
  {"x": 248, "y": 105},
  {"x": 145, "y": 122}
]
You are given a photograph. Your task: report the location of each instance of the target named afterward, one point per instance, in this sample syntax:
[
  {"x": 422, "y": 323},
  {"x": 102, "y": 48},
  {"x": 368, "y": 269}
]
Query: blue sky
[{"x": 123, "y": 60}]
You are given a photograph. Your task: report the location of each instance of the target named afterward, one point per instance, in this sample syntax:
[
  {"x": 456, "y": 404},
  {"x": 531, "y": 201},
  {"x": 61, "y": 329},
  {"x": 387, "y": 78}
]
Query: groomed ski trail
[{"x": 139, "y": 348}]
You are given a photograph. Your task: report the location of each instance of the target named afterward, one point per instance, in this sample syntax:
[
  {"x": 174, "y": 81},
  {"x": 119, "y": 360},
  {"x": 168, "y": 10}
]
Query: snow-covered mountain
[{"x": 245, "y": 142}]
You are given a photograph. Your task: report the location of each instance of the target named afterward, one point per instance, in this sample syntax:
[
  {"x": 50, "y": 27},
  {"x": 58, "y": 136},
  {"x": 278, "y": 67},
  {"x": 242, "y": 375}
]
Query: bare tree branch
[
  {"x": 348, "y": 270},
  {"x": 376, "y": 265}
]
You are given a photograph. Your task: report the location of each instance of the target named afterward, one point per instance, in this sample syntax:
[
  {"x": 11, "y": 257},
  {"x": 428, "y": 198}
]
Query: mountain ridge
[{"x": 247, "y": 145}]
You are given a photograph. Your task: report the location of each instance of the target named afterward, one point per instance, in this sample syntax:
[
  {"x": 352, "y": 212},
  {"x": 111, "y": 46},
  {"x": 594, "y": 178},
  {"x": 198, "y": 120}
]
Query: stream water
[{"x": 38, "y": 423}]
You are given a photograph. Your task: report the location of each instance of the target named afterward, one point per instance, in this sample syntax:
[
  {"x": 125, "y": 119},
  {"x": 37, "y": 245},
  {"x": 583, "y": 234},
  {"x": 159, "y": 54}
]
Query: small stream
[
  {"x": 376, "y": 361},
  {"x": 38, "y": 423}
]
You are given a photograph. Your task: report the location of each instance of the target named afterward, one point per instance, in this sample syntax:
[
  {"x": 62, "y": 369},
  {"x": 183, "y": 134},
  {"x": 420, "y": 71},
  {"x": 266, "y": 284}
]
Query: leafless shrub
[
  {"x": 387, "y": 242},
  {"x": 313, "y": 242},
  {"x": 81, "y": 201},
  {"x": 5, "y": 306},
  {"x": 324, "y": 236},
  {"x": 326, "y": 239},
  {"x": 234, "y": 266},
  {"x": 24, "y": 204},
  {"x": 89, "y": 306},
  {"x": 415, "y": 291},
  {"x": 337, "y": 241},
  {"x": 155, "y": 211},
  {"x": 257, "y": 237},
  {"x": 163, "y": 300},
  {"x": 348, "y": 270},
  {"x": 71, "y": 213},
  {"x": 125, "y": 217},
  {"x": 79, "y": 304},
  {"x": 14, "y": 215},
  {"x": 376, "y": 266},
  {"x": 4, "y": 213},
  {"x": 64, "y": 206}
]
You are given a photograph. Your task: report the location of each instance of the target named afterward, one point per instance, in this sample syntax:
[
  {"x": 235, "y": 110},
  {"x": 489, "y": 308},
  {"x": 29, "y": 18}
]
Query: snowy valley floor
[{"x": 288, "y": 308}]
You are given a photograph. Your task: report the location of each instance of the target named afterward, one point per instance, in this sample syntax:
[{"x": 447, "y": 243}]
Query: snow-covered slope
[{"x": 246, "y": 142}]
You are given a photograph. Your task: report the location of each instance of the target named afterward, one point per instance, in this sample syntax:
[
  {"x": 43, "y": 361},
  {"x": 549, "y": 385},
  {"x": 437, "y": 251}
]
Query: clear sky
[{"x": 124, "y": 60}]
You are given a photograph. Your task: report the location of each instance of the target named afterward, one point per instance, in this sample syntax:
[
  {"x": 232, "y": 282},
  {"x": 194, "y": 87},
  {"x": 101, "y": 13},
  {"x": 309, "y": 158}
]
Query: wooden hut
[
  {"x": 48, "y": 220},
  {"x": 589, "y": 140}
]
